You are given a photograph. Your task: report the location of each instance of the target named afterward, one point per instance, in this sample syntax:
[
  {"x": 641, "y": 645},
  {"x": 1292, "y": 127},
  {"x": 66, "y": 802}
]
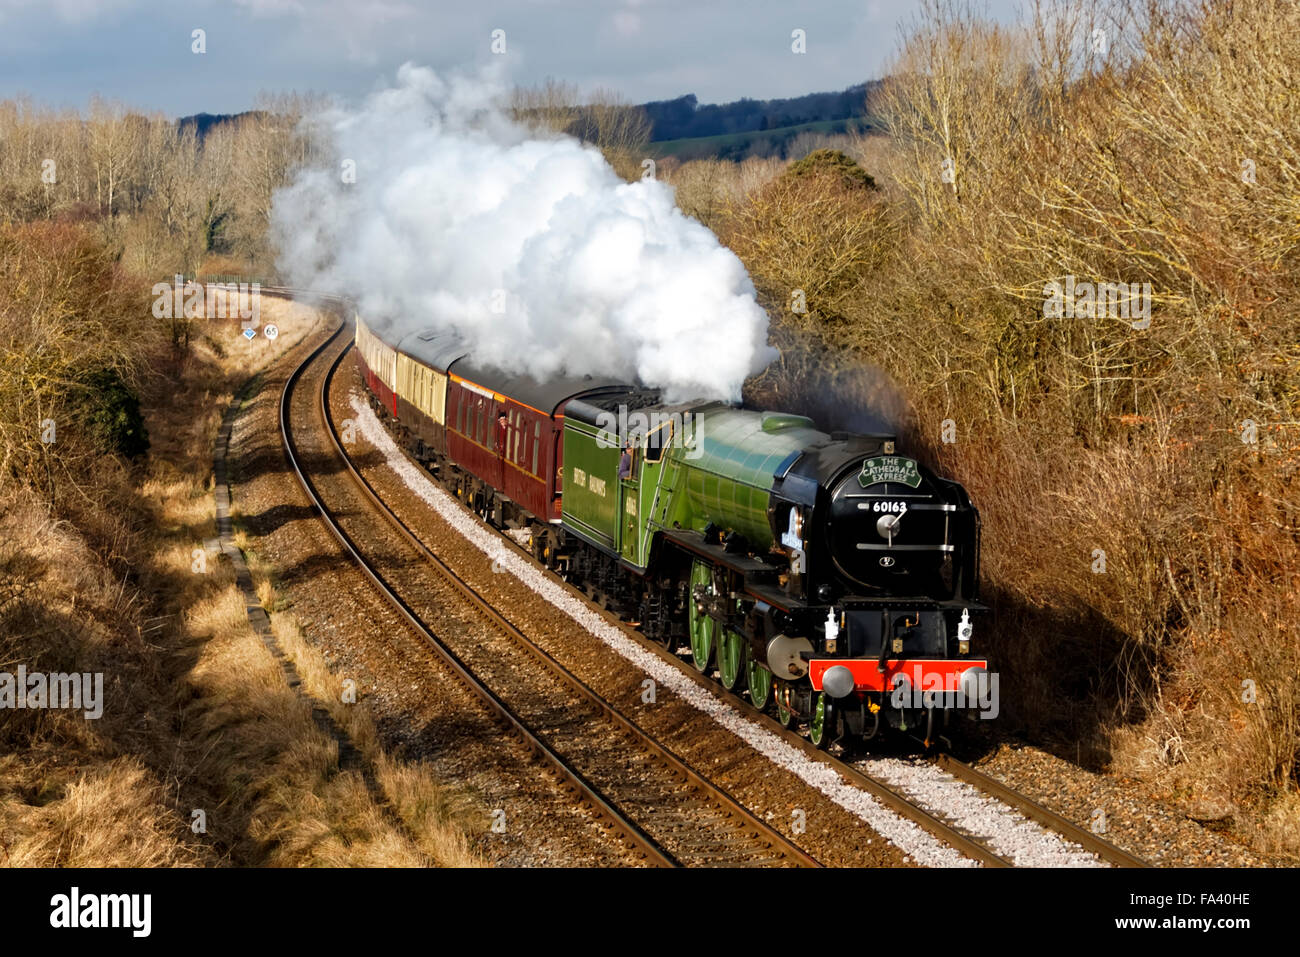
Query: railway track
[
  {"x": 1036, "y": 812},
  {"x": 654, "y": 803},
  {"x": 969, "y": 845},
  {"x": 758, "y": 831}
]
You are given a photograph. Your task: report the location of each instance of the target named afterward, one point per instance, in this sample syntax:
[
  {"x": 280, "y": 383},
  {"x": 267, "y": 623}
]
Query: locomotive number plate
[{"x": 897, "y": 508}]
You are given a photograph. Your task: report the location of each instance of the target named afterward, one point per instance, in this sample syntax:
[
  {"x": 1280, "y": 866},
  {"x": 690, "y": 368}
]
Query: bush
[
  {"x": 112, "y": 414},
  {"x": 836, "y": 163},
  {"x": 74, "y": 330}
]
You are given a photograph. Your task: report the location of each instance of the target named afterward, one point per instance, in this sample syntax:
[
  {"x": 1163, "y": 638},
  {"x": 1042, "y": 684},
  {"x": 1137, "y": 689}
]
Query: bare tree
[
  {"x": 552, "y": 105},
  {"x": 115, "y": 145}
]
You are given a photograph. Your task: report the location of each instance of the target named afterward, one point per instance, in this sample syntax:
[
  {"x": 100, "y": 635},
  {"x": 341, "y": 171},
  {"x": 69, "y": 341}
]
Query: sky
[{"x": 142, "y": 52}]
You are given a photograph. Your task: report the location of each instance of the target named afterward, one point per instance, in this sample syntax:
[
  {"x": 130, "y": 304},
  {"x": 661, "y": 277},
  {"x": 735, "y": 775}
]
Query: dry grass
[
  {"x": 198, "y": 714},
  {"x": 433, "y": 814},
  {"x": 114, "y": 815},
  {"x": 73, "y": 791},
  {"x": 270, "y": 778},
  {"x": 275, "y": 794}
]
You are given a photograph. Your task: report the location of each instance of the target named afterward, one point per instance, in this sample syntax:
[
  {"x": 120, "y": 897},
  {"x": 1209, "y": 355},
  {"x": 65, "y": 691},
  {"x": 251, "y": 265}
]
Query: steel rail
[
  {"x": 641, "y": 843},
  {"x": 774, "y": 839}
]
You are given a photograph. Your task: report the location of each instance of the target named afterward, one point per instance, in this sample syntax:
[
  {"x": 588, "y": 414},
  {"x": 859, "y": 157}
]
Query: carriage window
[
  {"x": 519, "y": 435},
  {"x": 478, "y": 428},
  {"x": 537, "y": 441}
]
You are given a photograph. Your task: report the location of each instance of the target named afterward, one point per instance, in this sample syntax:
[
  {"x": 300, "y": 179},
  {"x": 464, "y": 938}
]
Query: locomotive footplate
[
  {"x": 751, "y": 569},
  {"x": 916, "y": 654},
  {"x": 902, "y": 602},
  {"x": 910, "y": 682}
]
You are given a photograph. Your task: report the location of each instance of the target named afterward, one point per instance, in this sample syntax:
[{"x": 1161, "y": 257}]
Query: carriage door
[{"x": 501, "y": 442}]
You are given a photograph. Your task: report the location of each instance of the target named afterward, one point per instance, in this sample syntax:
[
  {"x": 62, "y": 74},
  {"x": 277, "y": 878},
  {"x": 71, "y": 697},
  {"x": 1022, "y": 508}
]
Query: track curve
[{"x": 673, "y": 817}]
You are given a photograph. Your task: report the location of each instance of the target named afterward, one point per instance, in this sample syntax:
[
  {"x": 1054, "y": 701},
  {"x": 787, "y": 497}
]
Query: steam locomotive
[{"x": 828, "y": 577}]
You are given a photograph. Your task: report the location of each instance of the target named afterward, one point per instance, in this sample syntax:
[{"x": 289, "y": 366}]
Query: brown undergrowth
[
  {"x": 1137, "y": 472},
  {"x": 203, "y": 755}
]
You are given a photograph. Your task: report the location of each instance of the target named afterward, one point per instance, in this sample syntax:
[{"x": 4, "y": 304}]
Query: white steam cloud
[{"x": 527, "y": 245}]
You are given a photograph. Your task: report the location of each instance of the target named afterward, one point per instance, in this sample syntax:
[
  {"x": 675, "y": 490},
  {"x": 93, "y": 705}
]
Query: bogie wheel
[
  {"x": 702, "y": 627},
  {"x": 784, "y": 715},
  {"x": 821, "y": 727},
  {"x": 733, "y": 652},
  {"x": 759, "y": 681}
]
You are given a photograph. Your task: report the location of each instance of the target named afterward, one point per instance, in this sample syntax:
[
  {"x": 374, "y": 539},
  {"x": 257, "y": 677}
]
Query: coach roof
[
  {"x": 441, "y": 351},
  {"x": 437, "y": 350},
  {"x": 544, "y": 396}
]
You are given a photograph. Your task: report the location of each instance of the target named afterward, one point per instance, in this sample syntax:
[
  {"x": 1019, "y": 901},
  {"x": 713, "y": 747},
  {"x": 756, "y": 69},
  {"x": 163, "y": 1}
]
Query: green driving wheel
[
  {"x": 783, "y": 712},
  {"x": 733, "y": 650},
  {"x": 759, "y": 680},
  {"x": 821, "y": 727},
  {"x": 703, "y": 627}
]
